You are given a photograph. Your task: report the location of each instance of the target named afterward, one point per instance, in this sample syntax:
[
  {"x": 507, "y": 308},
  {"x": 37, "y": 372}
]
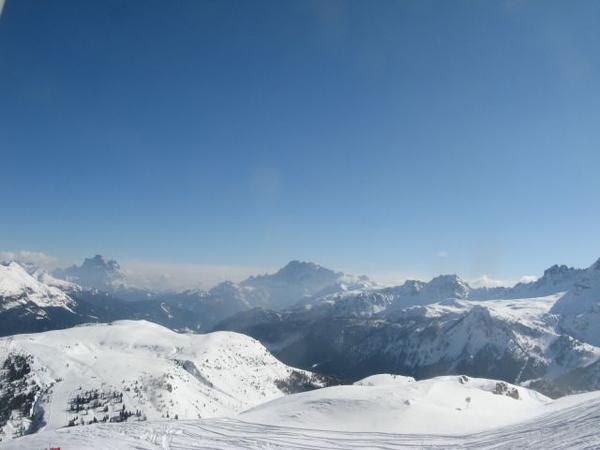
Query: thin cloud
[
  {"x": 484, "y": 281},
  {"x": 442, "y": 254},
  {"x": 528, "y": 279},
  {"x": 29, "y": 258},
  {"x": 394, "y": 278}
]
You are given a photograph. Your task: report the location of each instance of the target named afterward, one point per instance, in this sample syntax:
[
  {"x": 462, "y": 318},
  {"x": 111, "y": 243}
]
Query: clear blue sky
[{"x": 368, "y": 136}]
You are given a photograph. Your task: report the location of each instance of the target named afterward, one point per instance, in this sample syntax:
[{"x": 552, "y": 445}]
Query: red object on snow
[{"x": 54, "y": 448}]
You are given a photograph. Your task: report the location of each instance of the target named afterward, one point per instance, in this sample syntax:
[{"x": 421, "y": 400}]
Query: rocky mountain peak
[
  {"x": 447, "y": 286},
  {"x": 97, "y": 272},
  {"x": 558, "y": 273},
  {"x": 292, "y": 283},
  {"x": 300, "y": 271},
  {"x": 584, "y": 294},
  {"x": 18, "y": 287},
  {"x": 100, "y": 262}
]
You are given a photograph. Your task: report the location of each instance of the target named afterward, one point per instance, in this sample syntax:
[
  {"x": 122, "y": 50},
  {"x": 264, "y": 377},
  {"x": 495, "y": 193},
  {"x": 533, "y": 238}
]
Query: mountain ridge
[
  {"x": 299, "y": 280},
  {"x": 131, "y": 371},
  {"x": 348, "y": 327}
]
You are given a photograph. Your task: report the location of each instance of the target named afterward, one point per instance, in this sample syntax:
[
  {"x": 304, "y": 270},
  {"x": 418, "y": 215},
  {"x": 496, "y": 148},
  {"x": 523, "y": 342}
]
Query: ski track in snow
[{"x": 573, "y": 427}]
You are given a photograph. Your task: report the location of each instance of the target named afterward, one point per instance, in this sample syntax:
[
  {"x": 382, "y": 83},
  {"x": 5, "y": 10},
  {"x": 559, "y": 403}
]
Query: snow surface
[
  {"x": 138, "y": 365},
  {"x": 381, "y": 412},
  {"x": 18, "y": 287},
  {"x": 45, "y": 278},
  {"x": 390, "y": 404}
]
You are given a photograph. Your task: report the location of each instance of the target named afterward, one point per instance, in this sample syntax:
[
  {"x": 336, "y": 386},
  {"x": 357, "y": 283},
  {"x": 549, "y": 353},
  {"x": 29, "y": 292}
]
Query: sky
[{"x": 397, "y": 139}]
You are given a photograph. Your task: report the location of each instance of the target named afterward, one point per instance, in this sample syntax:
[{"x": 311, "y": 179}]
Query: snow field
[
  {"x": 533, "y": 422},
  {"x": 133, "y": 366}
]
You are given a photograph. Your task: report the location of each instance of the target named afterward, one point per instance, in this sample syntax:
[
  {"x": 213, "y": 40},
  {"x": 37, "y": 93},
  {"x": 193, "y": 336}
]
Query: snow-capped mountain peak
[
  {"x": 298, "y": 281},
  {"x": 444, "y": 287},
  {"x": 439, "y": 289},
  {"x": 17, "y": 287},
  {"x": 301, "y": 271}
]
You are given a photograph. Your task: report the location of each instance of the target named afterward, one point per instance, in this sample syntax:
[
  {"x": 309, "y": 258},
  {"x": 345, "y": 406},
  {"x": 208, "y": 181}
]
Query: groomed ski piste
[{"x": 380, "y": 412}]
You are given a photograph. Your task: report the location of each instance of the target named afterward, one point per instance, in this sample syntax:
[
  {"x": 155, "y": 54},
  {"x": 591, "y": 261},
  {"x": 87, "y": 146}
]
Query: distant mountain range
[{"x": 543, "y": 333}]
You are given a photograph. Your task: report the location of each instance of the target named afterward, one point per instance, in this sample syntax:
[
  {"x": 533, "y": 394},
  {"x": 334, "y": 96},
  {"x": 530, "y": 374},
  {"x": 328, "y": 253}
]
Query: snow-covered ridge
[
  {"x": 18, "y": 287},
  {"x": 95, "y": 373},
  {"x": 308, "y": 285},
  {"x": 390, "y": 300}
]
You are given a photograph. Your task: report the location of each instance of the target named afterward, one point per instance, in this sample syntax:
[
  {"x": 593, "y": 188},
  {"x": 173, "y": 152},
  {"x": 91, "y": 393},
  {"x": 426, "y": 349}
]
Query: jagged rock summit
[
  {"x": 555, "y": 279},
  {"x": 584, "y": 295},
  {"x": 97, "y": 272}
]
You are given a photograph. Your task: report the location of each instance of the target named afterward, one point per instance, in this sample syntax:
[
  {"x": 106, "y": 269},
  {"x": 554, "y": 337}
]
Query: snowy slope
[
  {"x": 93, "y": 373},
  {"x": 381, "y": 413},
  {"x": 17, "y": 288},
  {"x": 390, "y": 404},
  {"x": 521, "y": 329},
  {"x": 513, "y": 339}
]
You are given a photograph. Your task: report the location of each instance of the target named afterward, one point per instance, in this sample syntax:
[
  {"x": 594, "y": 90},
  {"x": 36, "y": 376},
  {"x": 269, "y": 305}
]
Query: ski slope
[{"x": 382, "y": 412}]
